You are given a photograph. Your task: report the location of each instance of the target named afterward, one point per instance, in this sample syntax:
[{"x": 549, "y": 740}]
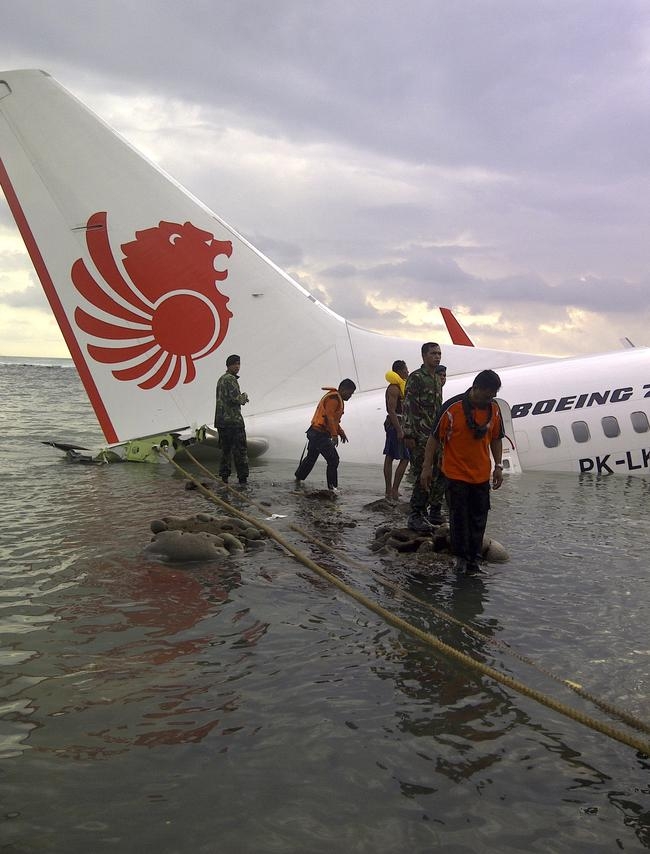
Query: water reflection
[
  {"x": 244, "y": 678},
  {"x": 444, "y": 702},
  {"x": 136, "y": 651}
]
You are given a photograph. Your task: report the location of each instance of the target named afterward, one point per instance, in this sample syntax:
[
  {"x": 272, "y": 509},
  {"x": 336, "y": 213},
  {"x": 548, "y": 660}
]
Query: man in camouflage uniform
[
  {"x": 229, "y": 422},
  {"x": 422, "y": 404}
]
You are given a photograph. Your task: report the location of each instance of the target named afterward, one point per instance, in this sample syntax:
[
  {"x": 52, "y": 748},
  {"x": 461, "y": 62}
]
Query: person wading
[
  {"x": 468, "y": 430},
  {"x": 422, "y": 402},
  {"x": 324, "y": 433},
  {"x": 229, "y": 422},
  {"x": 394, "y": 447}
]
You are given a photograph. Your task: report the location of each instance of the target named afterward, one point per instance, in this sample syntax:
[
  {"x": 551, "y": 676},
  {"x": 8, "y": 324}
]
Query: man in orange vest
[
  {"x": 470, "y": 430},
  {"x": 324, "y": 433}
]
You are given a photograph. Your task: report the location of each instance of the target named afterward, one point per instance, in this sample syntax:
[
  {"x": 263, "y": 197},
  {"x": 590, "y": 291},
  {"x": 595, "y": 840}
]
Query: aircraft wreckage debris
[
  {"x": 404, "y": 540},
  {"x": 201, "y": 537}
]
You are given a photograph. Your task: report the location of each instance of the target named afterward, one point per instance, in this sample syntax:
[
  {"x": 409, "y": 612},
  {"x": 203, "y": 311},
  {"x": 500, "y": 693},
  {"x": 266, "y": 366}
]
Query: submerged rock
[
  {"x": 404, "y": 540},
  {"x": 181, "y": 546},
  {"x": 382, "y": 505},
  {"x": 201, "y": 537},
  {"x": 494, "y": 552},
  {"x": 319, "y": 494}
]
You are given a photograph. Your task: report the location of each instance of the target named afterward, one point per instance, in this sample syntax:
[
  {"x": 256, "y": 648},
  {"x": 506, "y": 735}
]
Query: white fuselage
[{"x": 582, "y": 415}]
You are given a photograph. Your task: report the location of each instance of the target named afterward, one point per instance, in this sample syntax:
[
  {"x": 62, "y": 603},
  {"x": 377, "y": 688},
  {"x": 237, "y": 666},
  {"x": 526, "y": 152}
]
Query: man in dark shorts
[{"x": 394, "y": 448}]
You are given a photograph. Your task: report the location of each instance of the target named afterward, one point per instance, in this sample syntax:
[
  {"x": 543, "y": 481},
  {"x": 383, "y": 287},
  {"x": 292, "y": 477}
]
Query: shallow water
[{"x": 248, "y": 705}]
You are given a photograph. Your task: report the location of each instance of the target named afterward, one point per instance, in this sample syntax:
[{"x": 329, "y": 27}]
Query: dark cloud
[
  {"x": 608, "y": 296},
  {"x": 281, "y": 252},
  {"x": 499, "y": 84},
  {"x": 340, "y": 271},
  {"x": 500, "y": 148},
  {"x": 440, "y": 281},
  {"x": 421, "y": 268}
]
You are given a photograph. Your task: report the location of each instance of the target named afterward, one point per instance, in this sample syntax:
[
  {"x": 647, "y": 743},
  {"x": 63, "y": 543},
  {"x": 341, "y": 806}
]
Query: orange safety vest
[
  {"x": 329, "y": 412},
  {"x": 463, "y": 456}
]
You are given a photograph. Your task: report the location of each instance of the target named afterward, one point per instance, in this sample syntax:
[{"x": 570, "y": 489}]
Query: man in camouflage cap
[{"x": 229, "y": 422}]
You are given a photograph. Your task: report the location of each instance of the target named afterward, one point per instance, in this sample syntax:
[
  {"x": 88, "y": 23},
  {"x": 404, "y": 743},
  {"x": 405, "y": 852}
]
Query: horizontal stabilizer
[
  {"x": 455, "y": 330},
  {"x": 63, "y": 446}
]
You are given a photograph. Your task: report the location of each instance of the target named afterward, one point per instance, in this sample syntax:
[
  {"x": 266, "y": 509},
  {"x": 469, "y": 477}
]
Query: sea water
[{"x": 247, "y": 705}]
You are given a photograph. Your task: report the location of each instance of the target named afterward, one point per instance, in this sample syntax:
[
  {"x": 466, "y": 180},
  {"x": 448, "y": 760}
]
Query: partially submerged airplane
[{"x": 152, "y": 291}]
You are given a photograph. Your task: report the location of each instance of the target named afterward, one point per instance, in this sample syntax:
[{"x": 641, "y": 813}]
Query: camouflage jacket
[
  {"x": 229, "y": 401},
  {"x": 422, "y": 403}
]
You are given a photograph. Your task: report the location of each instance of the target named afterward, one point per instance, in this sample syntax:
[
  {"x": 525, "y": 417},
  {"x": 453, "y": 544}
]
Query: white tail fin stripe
[
  {"x": 101, "y": 253},
  {"x": 126, "y": 356},
  {"x": 110, "y": 332},
  {"x": 113, "y": 304},
  {"x": 55, "y": 303}
]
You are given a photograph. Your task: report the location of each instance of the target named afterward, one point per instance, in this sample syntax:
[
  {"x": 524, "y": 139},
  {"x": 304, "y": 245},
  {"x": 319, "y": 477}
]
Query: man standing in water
[
  {"x": 422, "y": 402},
  {"x": 394, "y": 447},
  {"x": 324, "y": 433},
  {"x": 468, "y": 429},
  {"x": 229, "y": 422}
]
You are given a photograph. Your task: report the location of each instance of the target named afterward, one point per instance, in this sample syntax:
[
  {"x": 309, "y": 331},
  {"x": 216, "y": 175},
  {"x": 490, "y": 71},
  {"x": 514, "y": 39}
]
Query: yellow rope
[
  {"x": 611, "y": 709},
  {"x": 427, "y": 638},
  {"x": 622, "y": 714}
]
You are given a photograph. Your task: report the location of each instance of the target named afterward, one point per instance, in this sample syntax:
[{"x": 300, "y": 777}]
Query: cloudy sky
[{"x": 491, "y": 156}]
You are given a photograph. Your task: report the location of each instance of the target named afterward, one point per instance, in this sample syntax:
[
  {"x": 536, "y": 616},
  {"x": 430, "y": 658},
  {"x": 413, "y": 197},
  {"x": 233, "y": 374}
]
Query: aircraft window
[
  {"x": 610, "y": 426},
  {"x": 550, "y": 437},
  {"x": 639, "y": 422},
  {"x": 581, "y": 431}
]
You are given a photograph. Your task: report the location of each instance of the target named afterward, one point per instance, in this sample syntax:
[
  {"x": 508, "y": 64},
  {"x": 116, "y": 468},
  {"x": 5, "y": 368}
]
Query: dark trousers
[
  {"x": 232, "y": 440},
  {"x": 469, "y": 504},
  {"x": 420, "y": 498},
  {"x": 319, "y": 443}
]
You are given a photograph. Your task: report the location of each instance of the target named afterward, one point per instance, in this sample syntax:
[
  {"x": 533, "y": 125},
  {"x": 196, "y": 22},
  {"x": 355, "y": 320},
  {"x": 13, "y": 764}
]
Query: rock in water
[
  {"x": 182, "y": 546},
  {"x": 405, "y": 540},
  {"x": 494, "y": 552},
  {"x": 201, "y": 537}
]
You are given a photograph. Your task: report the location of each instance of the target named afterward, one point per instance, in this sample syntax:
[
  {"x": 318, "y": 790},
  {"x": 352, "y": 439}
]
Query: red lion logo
[{"x": 171, "y": 307}]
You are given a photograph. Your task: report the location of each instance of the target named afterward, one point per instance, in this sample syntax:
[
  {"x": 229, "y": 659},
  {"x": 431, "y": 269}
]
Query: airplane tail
[{"x": 152, "y": 291}]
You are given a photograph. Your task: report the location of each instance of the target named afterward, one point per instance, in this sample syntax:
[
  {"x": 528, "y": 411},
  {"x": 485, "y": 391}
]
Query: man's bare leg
[
  {"x": 399, "y": 474},
  {"x": 388, "y": 475}
]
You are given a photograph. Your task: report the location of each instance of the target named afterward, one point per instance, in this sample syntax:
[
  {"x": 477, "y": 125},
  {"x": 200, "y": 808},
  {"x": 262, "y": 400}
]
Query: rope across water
[{"x": 631, "y": 740}]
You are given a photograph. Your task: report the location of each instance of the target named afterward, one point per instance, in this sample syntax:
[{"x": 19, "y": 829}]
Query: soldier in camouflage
[
  {"x": 229, "y": 422},
  {"x": 422, "y": 404}
]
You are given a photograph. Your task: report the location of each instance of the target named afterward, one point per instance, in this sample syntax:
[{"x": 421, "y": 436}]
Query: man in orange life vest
[
  {"x": 468, "y": 428},
  {"x": 324, "y": 433}
]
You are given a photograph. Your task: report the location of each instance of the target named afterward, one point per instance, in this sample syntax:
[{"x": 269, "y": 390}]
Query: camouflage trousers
[
  {"x": 421, "y": 499},
  {"x": 232, "y": 441}
]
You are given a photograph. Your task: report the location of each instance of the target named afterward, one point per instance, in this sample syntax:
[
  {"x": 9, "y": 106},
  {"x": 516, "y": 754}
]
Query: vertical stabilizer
[
  {"x": 150, "y": 288},
  {"x": 152, "y": 291}
]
